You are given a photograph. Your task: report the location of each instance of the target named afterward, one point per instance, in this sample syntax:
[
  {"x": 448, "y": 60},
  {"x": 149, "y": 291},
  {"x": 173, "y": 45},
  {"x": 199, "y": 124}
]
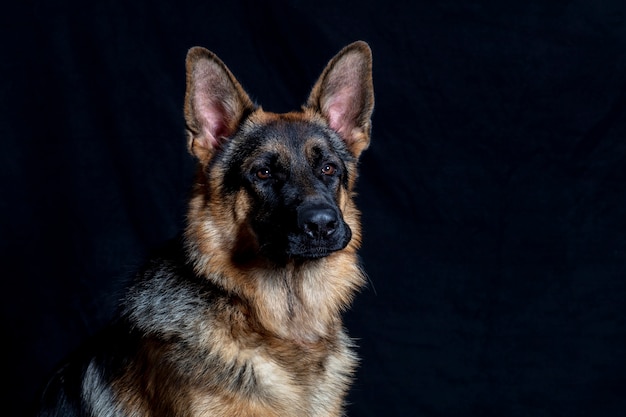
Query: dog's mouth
[
  {"x": 316, "y": 232},
  {"x": 303, "y": 248},
  {"x": 320, "y": 231}
]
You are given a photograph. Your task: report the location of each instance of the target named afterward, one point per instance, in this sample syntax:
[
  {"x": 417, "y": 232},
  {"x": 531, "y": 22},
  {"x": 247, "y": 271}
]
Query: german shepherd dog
[{"x": 244, "y": 319}]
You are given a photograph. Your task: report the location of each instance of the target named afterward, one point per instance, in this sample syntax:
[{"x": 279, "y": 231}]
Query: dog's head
[{"x": 273, "y": 186}]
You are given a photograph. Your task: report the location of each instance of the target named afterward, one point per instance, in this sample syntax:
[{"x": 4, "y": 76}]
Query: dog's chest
[{"x": 265, "y": 385}]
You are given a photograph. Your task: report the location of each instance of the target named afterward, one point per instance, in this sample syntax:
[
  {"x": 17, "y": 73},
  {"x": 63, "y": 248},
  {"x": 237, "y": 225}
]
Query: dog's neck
[
  {"x": 298, "y": 301},
  {"x": 303, "y": 302}
]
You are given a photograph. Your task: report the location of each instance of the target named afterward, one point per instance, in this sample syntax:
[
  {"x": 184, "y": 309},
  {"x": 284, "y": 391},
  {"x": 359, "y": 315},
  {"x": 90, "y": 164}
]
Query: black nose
[{"x": 318, "y": 222}]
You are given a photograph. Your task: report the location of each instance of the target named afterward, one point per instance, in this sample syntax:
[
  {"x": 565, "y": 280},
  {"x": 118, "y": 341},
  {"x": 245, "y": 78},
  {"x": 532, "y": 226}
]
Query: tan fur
[{"x": 278, "y": 330}]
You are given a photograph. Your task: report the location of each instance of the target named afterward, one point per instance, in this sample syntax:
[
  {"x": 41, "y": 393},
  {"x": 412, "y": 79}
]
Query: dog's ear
[
  {"x": 215, "y": 102},
  {"x": 344, "y": 95}
]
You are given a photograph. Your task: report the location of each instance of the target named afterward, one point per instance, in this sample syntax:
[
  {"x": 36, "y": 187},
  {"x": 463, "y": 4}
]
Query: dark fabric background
[{"x": 493, "y": 195}]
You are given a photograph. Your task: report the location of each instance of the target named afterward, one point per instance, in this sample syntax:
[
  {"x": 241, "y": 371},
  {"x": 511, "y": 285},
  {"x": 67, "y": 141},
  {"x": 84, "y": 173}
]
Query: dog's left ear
[
  {"x": 215, "y": 103},
  {"x": 344, "y": 95}
]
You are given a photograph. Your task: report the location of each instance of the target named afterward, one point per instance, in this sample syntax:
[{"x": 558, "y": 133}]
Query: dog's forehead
[{"x": 291, "y": 135}]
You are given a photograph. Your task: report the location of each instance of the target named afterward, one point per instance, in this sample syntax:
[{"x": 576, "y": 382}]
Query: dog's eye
[
  {"x": 264, "y": 174},
  {"x": 329, "y": 169}
]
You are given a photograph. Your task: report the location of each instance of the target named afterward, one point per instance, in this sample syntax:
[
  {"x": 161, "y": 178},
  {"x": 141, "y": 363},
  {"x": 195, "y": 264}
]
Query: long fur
[{"x": 243, "y": 317}]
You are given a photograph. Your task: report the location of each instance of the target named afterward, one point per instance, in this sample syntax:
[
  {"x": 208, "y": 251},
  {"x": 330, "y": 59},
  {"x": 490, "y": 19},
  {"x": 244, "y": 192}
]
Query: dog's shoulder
[{"x": 167, "y": 298}]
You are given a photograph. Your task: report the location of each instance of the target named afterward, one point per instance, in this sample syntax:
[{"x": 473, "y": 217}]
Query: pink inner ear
[
  {"x": 212, "y": 117},
  {"x": 340, "y": 112},
  {"x": 216, "y": 103},
  {"x": 214, "y": 127}
]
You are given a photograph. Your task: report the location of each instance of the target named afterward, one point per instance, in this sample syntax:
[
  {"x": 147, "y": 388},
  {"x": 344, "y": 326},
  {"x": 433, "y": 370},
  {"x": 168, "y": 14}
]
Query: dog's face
[
  {"x": 295, "y": 174},
  {"x": 277, "y": 186}
]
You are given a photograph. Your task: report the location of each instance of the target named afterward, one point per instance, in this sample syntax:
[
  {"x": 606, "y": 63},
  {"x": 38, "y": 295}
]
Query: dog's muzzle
[
  {"x": 321, "y": 230},
  {"x": 318, "y": 222}
]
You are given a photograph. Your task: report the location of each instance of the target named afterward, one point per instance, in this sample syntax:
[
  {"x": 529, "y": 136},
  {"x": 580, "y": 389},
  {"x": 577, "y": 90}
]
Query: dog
[{"x": 242, "y": 318}]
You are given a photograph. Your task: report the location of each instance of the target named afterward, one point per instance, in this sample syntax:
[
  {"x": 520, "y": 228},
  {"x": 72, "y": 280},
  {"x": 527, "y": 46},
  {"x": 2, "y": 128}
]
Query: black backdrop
[{"x": 493, "y": 195}]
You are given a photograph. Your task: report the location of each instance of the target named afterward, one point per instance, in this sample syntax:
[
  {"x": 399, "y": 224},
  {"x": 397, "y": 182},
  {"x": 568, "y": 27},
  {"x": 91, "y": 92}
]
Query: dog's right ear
[
  {"x": 215, "y": 103},
  {"x": 344, "y": 95}
]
